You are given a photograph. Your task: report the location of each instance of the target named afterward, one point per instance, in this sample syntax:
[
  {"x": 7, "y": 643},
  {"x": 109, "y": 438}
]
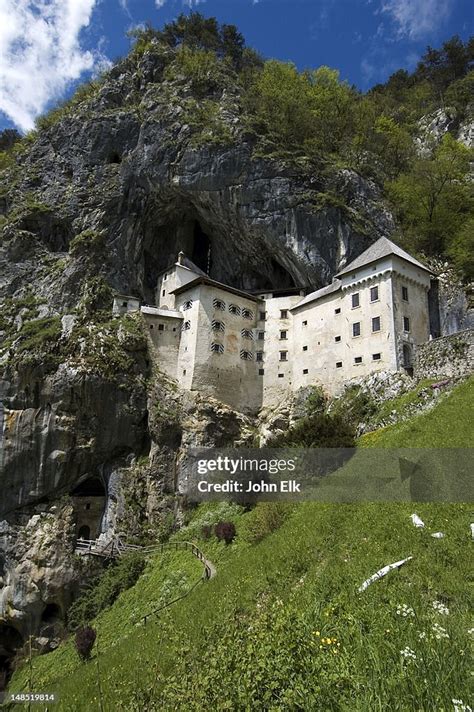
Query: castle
[{"x": 251, "y": 350}]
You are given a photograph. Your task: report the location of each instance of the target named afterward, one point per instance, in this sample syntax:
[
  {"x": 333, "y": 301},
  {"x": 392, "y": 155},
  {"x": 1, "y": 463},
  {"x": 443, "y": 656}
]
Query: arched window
[
  {"x": 246, "y": 334},
  {"x": 234, "y": 309},
  {"x": 186, "y": 326},
  {"x": 187, "y": 305},
  {"x": 246, "y": 355},
  {"x": 247, "y": 313},
  {"x": 218, "y": 304},
  {"x": 218, "y": 326},
  {"x": 217, "y": 348},
  {"x": 84, "y": 532}
]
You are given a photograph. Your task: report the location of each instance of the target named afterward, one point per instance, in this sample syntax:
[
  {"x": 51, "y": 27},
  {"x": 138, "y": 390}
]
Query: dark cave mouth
[{"x": 11, "y": 642}]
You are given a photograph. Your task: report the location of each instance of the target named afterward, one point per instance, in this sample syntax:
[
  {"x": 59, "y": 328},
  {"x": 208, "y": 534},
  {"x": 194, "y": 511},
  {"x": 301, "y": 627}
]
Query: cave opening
[
  {"x": 51, "y": 614},
  {"x": 114, "y": 157},
  {"x": 201, "y": 249},
  {"x": 89, "y": 500},
  {"x": 10, "y": 642}
]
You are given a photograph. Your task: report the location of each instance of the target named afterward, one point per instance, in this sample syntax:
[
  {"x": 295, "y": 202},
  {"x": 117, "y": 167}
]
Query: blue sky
[{"x": 47, "y": 46}]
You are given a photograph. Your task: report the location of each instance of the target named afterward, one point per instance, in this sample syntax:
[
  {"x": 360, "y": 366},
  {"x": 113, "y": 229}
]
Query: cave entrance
[
  {"x": 10, "y": 642},
  {"x": 51, "y": 621},
  {"x": 201, "y": 253},
  {"x": 89, "y": 498}
]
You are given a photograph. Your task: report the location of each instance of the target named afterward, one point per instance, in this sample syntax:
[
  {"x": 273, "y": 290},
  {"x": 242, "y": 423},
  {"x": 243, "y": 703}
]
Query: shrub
[
  {"x": 225, "y": 531},
  {"x": 84, "y": 642},
  {"x": 87, "y": 242},
  {"x": 318, "y": 430},
  {"x": 266, "y": 518},
  {"x": 206, "y": 531}
]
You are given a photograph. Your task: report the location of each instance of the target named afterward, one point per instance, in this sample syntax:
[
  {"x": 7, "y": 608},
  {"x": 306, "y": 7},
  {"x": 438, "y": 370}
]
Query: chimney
[{"x": 181, "y": 258}]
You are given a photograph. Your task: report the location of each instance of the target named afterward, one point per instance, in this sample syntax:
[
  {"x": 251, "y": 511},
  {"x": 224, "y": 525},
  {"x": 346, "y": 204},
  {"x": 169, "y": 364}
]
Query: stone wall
[{"x": 451, "y": 355}]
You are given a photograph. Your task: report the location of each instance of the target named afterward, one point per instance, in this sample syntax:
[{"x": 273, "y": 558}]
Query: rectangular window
[
  {"x": 259, "y": 356},
  {"x": 356, "y": 328},
  {"x": 151, "y": 326},
  {"x": 405, "y": 294},
  {"x": 261, "y": 335},
  {"x": 281, "y": 375},
  {"x": 304, "y": 323},
  {"x": 125, "y": 304},
  {"x": 374, "y": 294},
  {"x": 161, "y": 327},
  {"x": 376, "y": 323},
  {"x": 283, "y": 313},
  {"x": 406, "y": 323},
  {"x": 163, "y": 292},
  {"x": 283, "y": 335},
  {"x": 337, "y": 311},
  {"x": 376, "y": 357},
  {"x": 338, "y": 364},
  {"x": 337, "y": 339},
  {"x": 305, "y": 348},
  {"x": 261, "y": 371},
  {"x": 283, "y": 355},
  {"x": 358, "y": 359},
  {"x": 262, "y": 315},
  {"x": 305, "y": 371},
  {"x": 184, "y": 371},
  {"x": 355, "y": 300}
]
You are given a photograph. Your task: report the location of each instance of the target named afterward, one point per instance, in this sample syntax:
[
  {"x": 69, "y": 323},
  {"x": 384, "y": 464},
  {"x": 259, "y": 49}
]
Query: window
[
  {"x": 358, "y": 359},
  {"x": 247, "y": 313},
  {"x": 165, "y": 276},
  {"x": 186, "y": 326},
  {"x": 376, "y": 323},
  {"x": 218, "y": 326},
  {"x": 337, "y": 339},
  {"x": 374, "y": 294},
  {"x": 218, "y": 304},
  {"x": 283, "y": 355},
  {"x": 151, "y": 326},
  {"x": 304, "y": 323},
  {"x": 163, "y": 292},
  {"x": 355, "y": 300},
  {"x": 356, "y": 328},
  {"x": 246, "y": 355},
  {"x": 337, "y": 311},
  {"x": 187, "y": 305},
  {"x": 184, "y": 371},
  {"x": 406, "y": 323},
  {"x": 259, "y": 356},
  {"x": 283, "y": 313},
  {"x": 305, "y": 371},
  {"x": 262, "y": 315},
  {"x": 125, "y": 304},
  {"x": 405, "y": 294},
  {"x": 376, "y": 357},
  {"x": 338, "y": 364},
  {"x": 283, "y": 335},
  {"x": 217, "y": 348},
  {"x": 246, "y": 334},
  {"x": 281, "y": 375},
  {"x": 234, "y": 309},
  {"x": 161, "y": 327},
  {"x": 261, "y": 371},
  {"x": 305, "y": 348},
  {"x": 261, "y": 335}
]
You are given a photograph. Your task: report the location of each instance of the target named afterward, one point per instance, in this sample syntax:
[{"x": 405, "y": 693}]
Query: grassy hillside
[{"x": 282, "y": 625}]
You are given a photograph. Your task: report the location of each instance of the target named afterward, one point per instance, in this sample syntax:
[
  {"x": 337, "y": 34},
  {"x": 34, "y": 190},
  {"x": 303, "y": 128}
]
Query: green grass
[{"x": 282, "y": 626}]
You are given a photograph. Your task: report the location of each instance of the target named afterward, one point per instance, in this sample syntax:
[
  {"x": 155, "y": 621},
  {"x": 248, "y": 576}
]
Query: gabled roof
[
  {"x": 213, "y": 283},
  {"x": 382, "y": 248},
  {"x": 323, "y": 292}
]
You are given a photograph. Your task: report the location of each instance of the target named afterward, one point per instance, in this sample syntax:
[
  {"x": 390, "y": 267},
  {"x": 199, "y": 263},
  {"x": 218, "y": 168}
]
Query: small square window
[
  {"x": 376, "y": 323},
  {"x": 281, "y": 375},
  {"x": 125, "y": 304},
  {"x": 259, "y": 356},
  {"x": 261, "y": 335},
  {"x": 337, "y": 311},
  {"x": 337, "y": 339},
  {"x": 405, "y": 294},
  {"x": 338, "y": 364},
  {"x": 161, "y": 327},
  {"x": 356, "y": 328},
  {"x": 355, "y": 300},
  {"x": 283, "y": 313},
  {"x": 376, "y": 357},
  {"x": 358, "y": 359},
  {"x": 406, "y": 323},
  {"x": 304, "y": 323},
  {"x": 262, "y": 315},
  {"x": 283, "y": 355},
  {"x": 283, "y": 335},
  {"x": 305, "y": 348},
  {"x": 261, "y": 371},
  {"x": 88, "y": 506},
  {"x": 374, "y": 294},
  {"x": 151, "y": 326},
  {"x": 305, "y": 371}
]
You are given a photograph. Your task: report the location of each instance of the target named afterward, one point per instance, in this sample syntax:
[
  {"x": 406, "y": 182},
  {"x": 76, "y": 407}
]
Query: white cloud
[
  {"x": 41, "y": 54},
  {"x": 417, "y": 18}
]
